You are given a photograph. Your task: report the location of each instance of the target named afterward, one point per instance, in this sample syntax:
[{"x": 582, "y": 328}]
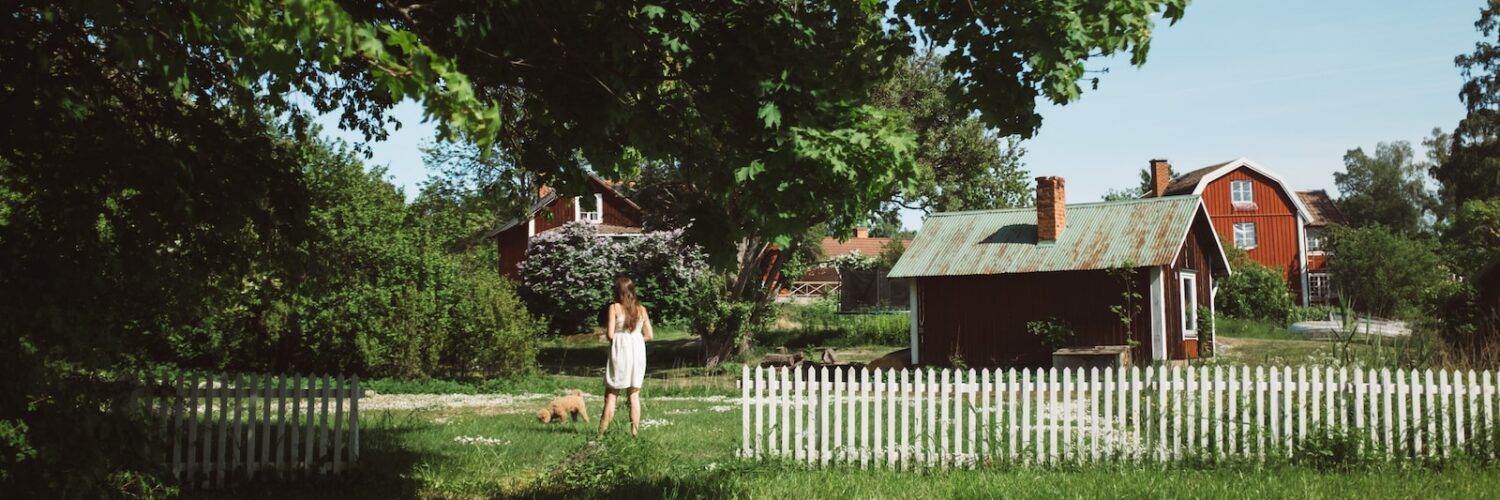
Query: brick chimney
[
  {"x": 1051, "y": 208},
  {"x": 1161, "y": 174},
  {"x": 861, "y": 232}
]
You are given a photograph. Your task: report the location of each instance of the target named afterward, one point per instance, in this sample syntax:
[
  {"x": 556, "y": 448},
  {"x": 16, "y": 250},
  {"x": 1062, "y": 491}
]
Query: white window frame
[
  {"x": 1327, "y": 286},
  {"x": 1239, "y": 187},
  {"x": 1253, "y": 238},
  {"x": 1321, "y": 239},
  {"x": 592, "y": 217},
  {"x": 1187, "y": 298}
]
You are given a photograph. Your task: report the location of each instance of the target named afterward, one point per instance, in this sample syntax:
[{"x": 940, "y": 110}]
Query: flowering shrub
[{"x": 568, "y": 274}]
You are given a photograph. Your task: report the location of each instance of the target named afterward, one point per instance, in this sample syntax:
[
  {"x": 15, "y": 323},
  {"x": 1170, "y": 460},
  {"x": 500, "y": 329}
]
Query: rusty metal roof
[{"x": 1136, "y": 233}]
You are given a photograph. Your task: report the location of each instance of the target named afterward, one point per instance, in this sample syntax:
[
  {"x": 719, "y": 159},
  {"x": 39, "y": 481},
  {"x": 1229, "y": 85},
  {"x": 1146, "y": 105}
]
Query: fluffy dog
[{"x": 570, "y": 405}]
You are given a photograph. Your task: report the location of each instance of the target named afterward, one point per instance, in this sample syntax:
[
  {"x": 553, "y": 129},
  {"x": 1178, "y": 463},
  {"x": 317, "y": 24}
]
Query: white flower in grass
[
  {"x": 654, "y": 422},
  {"x": 480, "y": 441}
]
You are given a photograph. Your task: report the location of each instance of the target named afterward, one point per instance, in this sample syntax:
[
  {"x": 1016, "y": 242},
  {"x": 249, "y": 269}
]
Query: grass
[
  {"x": 420, "y": 454},
  {"x": 1257, "y": 343},
  {"x": 504, "y": 452}
]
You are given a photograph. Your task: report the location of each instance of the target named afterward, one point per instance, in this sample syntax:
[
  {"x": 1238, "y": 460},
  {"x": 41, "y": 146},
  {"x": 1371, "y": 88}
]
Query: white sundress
[{"x": 627, "y": 356}]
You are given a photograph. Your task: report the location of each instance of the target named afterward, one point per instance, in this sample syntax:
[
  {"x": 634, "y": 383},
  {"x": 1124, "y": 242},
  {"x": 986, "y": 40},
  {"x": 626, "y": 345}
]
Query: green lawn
[
  {"x": 688, "y": 448},
  {"x": 503, "y": 451}
]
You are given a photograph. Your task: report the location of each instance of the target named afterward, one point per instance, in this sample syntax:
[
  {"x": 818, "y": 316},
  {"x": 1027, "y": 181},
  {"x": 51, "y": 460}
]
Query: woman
[{"x": 627, "y": 330}]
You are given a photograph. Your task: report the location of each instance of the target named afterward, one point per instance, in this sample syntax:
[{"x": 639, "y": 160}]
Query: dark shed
[{"x": 978, "y": 278}]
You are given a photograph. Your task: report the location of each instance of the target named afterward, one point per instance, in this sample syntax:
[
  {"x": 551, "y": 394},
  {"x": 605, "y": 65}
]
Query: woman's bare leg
[
  {"x": 609, "y": 410},
  {"x": 635, "y": 410}
]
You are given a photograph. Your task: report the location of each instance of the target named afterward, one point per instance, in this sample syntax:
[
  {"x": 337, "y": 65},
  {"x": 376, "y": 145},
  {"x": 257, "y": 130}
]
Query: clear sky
[{"x": 1290, "y": 84}]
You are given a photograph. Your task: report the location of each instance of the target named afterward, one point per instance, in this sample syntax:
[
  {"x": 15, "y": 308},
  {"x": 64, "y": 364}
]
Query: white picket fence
[
  {"x": 947, "y": 417},
  {"x": 223, "y": 429}
]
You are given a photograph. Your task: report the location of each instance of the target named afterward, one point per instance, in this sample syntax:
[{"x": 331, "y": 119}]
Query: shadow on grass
[
  {"x": 589, "y": 360},
  {"x": 384, "y": 471}
]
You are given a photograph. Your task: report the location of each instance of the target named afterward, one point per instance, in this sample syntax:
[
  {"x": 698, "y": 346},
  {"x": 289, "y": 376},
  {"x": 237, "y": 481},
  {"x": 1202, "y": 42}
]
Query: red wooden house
[
  {"x": 977, "y": 279},
  {"x": 1255, "y": 210},
  {"x": 604, "y": 205}
]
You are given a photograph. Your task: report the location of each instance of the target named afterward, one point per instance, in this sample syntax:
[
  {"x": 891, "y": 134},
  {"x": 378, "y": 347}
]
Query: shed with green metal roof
[{"x": 987, "y": 285}]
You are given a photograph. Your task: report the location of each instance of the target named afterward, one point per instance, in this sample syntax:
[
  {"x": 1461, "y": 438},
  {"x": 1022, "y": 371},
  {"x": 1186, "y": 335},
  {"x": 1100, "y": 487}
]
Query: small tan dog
[{"x": 564, "y": 407}]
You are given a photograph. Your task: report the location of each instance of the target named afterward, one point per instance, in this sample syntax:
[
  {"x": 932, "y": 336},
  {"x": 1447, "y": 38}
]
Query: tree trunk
[{"x": 720, "y": 348}]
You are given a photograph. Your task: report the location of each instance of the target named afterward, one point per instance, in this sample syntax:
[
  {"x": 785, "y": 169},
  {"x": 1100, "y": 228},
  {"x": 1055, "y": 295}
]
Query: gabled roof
[
  {"x": 1195, "y": 181},
  {"x": 1107, "y": 235},
  {"x": 1324, "y": 211},
  {"x": 548, "y": 196}
]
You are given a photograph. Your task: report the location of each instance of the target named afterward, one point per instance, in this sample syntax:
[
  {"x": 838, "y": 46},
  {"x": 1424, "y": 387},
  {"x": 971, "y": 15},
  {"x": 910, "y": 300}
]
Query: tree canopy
[{"x": 1386, "y": 188}]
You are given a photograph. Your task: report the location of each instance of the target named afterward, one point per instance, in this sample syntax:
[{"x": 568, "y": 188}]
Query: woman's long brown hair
[{"x": 625, "y": 296}]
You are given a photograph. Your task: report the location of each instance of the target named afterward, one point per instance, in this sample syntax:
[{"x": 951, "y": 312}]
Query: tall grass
[{"x": 821, "y": 324}]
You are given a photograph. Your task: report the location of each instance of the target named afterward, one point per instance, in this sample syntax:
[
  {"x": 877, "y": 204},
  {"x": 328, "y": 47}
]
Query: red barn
[
  {"x": 979, "y": 278},
  {"x": 1255, "y": 210},
  {"x": 604, "y": 205}
]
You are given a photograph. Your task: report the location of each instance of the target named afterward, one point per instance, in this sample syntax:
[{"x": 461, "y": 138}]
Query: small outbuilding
[{"x": 1133, "y": 272}]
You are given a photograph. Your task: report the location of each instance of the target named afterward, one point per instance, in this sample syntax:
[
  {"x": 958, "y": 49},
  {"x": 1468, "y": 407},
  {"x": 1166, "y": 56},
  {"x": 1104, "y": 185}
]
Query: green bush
[
  {"x": 1253, "y": 291},
  {"x": 1386, "y": 274},
  {"x": 1332, "y": 449},
  {"x": 569, "y": 274}
]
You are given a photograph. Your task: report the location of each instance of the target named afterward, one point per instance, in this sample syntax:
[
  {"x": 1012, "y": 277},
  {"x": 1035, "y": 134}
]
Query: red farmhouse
[{"x": 1256, "y": 211}]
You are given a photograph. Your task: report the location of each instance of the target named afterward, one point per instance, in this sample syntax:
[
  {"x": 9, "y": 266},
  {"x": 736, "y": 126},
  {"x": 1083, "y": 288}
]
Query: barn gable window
[
  {"x": 1189, "y": 299},
  {"x": 1244, "y": 235},
  {"x": 1241, "y": 192}
]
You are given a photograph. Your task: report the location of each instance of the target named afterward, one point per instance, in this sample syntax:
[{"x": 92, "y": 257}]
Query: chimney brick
[
  {"x": 1161, "y": 174},
  {"x": 861, "y": 232},
  {"x": 1051, "y": 208}
]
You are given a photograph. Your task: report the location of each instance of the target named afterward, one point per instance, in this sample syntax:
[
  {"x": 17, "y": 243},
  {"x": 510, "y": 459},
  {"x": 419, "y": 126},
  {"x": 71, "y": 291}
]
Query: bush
[
  {"x": 1386, "y": 274},
  {"x": 569, "y": 273},
  {"x": 1254, "y": 291}
]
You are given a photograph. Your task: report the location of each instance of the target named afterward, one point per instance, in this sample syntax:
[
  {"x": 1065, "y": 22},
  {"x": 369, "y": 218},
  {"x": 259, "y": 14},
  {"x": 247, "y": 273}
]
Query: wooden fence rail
[
  {"x": 224, "y": 428},
  {"x": 949, "y": 417}
]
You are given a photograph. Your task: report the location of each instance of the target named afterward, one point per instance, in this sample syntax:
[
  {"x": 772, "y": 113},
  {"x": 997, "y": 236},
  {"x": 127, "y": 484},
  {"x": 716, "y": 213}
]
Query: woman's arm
[
  {"x": 646, "y": 330},
  {"x": 609, "y": 325}
]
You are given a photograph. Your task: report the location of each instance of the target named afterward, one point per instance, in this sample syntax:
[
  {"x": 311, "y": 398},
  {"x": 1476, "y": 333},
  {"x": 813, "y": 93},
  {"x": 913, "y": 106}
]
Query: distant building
[
  {"x": 824, "y": 280},
  {"x": 979, "y": 278},
  {"x": 1255, "y": 210},
  {"x": 614, "y": 214}
]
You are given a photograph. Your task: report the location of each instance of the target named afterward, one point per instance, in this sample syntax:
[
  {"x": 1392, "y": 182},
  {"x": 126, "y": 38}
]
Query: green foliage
[
  {"x": 1140, "y": 190},
  {"x": 821, "y": 324},
  {"x": 723, "y": 324},
  {"x": 1254, "y": 291},
  {"x": 961, "y": 163},
  {"x": 1361, "y": 264},
  {"x": 1206, "y": 332},
  {"x": 1385, "y": 189},
  {"x": 891, "y": 253},
  {"x": 569, "y": 274},
  {"x": 1332, "y": 449},
  {"x": 1054, "y": 333}
]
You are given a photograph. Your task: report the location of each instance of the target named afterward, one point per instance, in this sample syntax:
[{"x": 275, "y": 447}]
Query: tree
[
  {"x": 1470, "y": 170},
  {"x": 1145, "y": 186},
  {"x": 140, "y": 165},
  {"x": 961, "y": 163},
  {"x": 1362, "y": 264},
  {"x": 1385, "y": 189}
]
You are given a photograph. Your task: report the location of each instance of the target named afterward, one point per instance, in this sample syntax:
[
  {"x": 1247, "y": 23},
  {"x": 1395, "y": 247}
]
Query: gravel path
[{"x": 440, "y": 401}]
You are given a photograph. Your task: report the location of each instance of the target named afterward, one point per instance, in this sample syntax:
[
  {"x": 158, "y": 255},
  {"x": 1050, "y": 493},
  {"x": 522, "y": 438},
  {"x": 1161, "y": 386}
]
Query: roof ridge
[{"x": 1132, "y": 201}]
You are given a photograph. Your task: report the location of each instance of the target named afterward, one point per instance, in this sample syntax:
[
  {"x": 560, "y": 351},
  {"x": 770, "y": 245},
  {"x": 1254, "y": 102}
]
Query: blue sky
[{"x": 1290, "y": 84}]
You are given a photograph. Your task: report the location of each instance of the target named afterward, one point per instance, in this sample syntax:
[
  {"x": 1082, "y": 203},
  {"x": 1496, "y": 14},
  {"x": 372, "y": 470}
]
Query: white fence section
[
  {"x": 224, "y": 429},
  {"x": 947, "y": 417}
]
